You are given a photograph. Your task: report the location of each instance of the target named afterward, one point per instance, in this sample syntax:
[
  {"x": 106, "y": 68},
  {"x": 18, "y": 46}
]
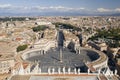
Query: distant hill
[
  {"x": 117, "y": 14},
  {"x": 56, "y": 14}
]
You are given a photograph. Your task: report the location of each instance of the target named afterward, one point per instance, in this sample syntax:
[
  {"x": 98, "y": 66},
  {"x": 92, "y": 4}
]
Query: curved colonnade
[{"x": 97, "y": 64}]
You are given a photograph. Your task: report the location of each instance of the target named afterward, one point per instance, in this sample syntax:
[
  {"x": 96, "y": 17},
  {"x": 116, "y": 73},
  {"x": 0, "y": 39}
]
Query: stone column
[
  {"x": 59, "y": 71},
  {"x": 63, "y": 70},
  {"x": 75, "y": 71},
  {"x": 115, "y": 72},
  {"x": 79, "y": 71},
  {"x": 42, "y": 52},
  {"x": 99, "y": 71},
  {"x": 37, "y": 68},
  {"x": 49, "y": 72},
  {"x": 53, "y": 70},
  {"x": 40, "y": 70},
  {"x": 69, "y": 69},
  {"x": 88, "y": 71},
  {"x": 77, "y": 51}
]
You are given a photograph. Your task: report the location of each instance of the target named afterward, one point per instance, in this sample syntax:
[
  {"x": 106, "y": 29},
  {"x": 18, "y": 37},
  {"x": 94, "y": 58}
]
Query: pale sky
[{"x": 65, "y": 6}]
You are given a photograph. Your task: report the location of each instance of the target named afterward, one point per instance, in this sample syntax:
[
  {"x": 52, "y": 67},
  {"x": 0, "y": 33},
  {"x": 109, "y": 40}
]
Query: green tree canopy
[
  {"x": 112, "y": 34},
  {"x": 66, "y": 26},
  {"x": 22, "y": 47},
  {"x": 39, "y": 28}
]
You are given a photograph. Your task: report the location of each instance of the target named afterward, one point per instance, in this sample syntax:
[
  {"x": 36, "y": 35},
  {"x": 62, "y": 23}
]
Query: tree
[
  {"x": 39, "y": 28},
  {"x": 22, "y": 47},
  {"x": 112, "y": 34},
  {"x": 66, "y": 26}
]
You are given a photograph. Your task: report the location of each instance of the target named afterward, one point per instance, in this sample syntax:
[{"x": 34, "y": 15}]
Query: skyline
[{"x": 54, "y": 7}]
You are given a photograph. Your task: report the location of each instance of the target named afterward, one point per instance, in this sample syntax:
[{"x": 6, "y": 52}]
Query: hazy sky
[{"x": 83, "y": 6}]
